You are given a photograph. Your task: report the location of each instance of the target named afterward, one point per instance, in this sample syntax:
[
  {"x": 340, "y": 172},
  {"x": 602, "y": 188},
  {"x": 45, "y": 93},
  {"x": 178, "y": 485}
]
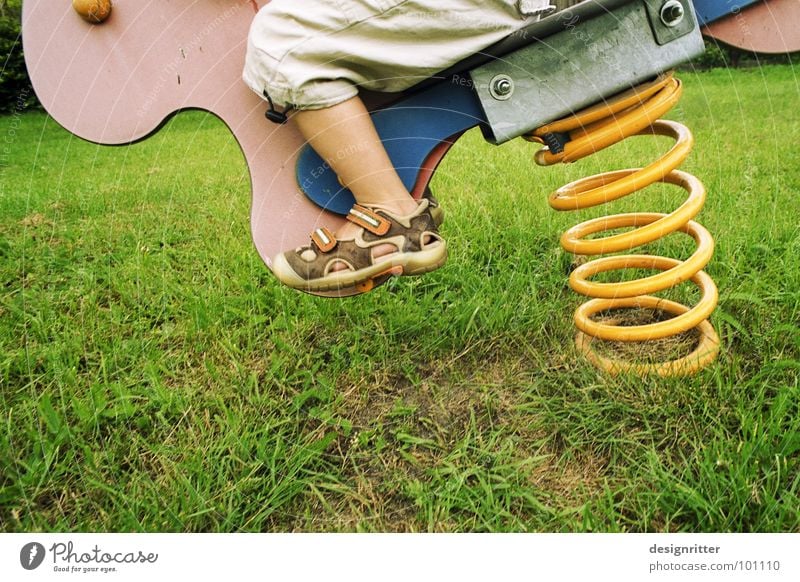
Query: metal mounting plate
[{"x": 579, "y": 66}]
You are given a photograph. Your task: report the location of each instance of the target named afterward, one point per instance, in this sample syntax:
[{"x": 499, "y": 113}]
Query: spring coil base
[{"x": 635, "y": 112}]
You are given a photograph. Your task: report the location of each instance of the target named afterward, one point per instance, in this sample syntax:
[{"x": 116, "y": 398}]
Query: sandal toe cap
[{"x": 283, "y": 270}]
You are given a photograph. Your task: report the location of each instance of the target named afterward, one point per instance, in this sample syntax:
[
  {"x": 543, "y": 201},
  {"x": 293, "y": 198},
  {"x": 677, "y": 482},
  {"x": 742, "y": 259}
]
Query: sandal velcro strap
[
  {"x": 324, "y": 239},
  {"x": 366, "y": 218}
]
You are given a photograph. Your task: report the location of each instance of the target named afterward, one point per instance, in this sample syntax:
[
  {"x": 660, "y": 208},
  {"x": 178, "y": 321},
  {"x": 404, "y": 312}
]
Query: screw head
[
  {"x": 672, "y": 13},
  {"x": 501, "y": 87}
]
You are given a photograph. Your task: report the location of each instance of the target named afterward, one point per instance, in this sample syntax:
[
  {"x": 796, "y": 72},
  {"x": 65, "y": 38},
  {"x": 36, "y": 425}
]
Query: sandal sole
[{"x": 417, "y": 263}]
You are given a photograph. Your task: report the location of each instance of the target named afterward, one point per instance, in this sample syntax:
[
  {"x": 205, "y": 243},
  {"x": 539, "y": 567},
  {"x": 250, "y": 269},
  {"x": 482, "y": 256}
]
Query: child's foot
[
  {"x": 378, "y": 242},
  {"x": 350, "y": 229}
]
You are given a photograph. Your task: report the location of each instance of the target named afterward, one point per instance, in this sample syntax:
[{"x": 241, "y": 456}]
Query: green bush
[
  {"x": 714, "y": 56},
  {"x": 16, "y": 93},
  {"x": 719, "y": 55}
]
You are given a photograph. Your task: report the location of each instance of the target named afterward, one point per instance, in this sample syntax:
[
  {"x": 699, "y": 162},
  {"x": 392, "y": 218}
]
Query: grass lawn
[{"x": 155, "y": 377}]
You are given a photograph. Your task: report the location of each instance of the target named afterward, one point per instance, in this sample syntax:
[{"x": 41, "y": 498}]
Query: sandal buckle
[
  {"x": 368, "y": 219},
  {"x": 324, "y": 239},
  {"x": 369, "y": 284}
]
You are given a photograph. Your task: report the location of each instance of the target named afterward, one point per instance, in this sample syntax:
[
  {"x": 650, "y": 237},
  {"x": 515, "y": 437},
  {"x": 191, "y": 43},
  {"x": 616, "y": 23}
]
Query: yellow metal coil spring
[{"x": 635, "y": 112}]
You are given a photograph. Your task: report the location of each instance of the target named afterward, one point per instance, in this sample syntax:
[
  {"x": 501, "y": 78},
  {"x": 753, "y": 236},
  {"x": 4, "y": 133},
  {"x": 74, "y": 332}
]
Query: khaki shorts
[{"x": 314, "y": 54}]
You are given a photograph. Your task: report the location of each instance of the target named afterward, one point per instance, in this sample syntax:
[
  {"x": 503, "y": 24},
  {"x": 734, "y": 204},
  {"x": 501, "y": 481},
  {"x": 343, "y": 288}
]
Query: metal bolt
[
  {"x": 672, "y": 13},
  {"x": 501, "y": 87}
]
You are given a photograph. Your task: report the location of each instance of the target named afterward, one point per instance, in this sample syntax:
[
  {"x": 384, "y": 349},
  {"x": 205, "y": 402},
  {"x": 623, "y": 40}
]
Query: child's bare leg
[
  {"x": 345, "y": 137},
  {"x": 393, "y": 232}
]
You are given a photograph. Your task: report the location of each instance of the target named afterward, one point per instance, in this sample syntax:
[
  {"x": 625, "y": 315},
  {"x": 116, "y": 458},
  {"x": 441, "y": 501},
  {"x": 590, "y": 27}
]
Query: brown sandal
[
  {"x": 420, "y": 249},
  {"x": 433, "y": 206}
]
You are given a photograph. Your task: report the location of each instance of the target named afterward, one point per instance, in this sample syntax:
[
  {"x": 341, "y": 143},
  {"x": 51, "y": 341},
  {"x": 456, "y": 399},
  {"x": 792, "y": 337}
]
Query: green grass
[{"x": 155, "y": 377}]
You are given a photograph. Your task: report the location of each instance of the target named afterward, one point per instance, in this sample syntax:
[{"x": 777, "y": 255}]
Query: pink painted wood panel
[
  {"x": 771, "y": 26},
  {"x": 117, "y": 82}
]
